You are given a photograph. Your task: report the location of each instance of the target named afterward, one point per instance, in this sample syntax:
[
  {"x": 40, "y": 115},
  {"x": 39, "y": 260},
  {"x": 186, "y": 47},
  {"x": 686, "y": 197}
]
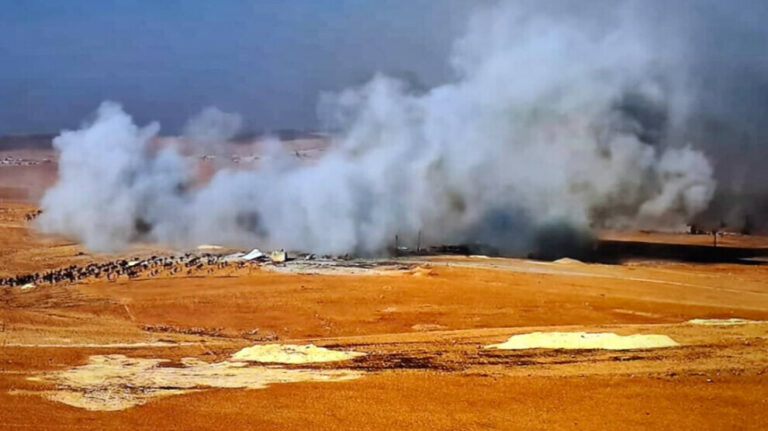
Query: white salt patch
[
  {"x": 568, "y": 261},
  {"x": 723, "y": 322},
  {"x": 584, "y": 340},
  {"x": 117, "y": 382},
  {"x": 292, "y": 354},
  {"x": 209, "y": 247}
]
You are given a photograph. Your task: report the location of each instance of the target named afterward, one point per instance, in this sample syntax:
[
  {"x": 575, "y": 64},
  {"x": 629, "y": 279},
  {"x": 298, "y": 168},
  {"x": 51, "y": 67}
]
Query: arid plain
[{"x": 401, "y": 343}]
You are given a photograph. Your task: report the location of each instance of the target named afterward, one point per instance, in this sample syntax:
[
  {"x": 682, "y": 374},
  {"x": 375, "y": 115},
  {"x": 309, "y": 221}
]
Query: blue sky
[{"x": 167, "y": 59}]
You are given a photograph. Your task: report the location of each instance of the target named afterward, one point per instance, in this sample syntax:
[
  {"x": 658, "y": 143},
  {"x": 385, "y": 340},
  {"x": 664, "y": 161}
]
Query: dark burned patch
[
  {"x": 367, "y": 346},
  {"x": 257, "y": 335},
  {"x": 458, "y": 361},
  {"x": 393, "y": 361},
  {"x": 534, "y": 353},
  {"x": 627, "y": 358},
  {"x": 637, "y": 357},
  {"x": 409, "y": 362},
  {"x": 557, "y": 357},
  {"x": 366, "y": 264},
  {"x": 463, "y": 360},
  {"x": 466, "y": 358},
  {"x": 209, "y": 332},
  {"x": 171, "y": 364},
  {"x": 523, "y": 361}
]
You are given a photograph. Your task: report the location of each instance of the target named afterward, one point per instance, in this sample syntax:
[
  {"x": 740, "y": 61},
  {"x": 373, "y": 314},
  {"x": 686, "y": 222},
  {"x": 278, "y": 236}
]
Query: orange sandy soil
[{"x": 422, "y": 326}]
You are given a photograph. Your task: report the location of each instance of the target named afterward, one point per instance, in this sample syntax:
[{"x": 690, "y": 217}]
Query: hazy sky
[{"x": 167, "y": 59}]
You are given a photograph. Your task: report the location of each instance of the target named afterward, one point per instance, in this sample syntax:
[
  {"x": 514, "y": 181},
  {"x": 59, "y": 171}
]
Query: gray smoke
[{"x": 564, "y": 118}]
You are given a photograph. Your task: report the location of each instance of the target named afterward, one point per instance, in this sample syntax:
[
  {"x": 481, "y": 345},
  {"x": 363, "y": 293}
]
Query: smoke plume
[
  {"x": 561, "y": 120},
  {"x": 212, "y": 126}
]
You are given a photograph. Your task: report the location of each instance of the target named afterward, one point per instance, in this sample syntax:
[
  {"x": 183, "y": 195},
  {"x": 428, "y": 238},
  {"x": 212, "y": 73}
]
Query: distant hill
[
  {"x": 45, "y": 141},
  {"x": 281, "y": 134},
  {"x": 27, "y": 142}
]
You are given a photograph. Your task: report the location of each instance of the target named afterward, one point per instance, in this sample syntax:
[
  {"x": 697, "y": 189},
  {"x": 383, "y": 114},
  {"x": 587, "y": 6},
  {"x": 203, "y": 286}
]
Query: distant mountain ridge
[
  {"x": 27, "y": 142},
  {"x": 44, "y": 141}
]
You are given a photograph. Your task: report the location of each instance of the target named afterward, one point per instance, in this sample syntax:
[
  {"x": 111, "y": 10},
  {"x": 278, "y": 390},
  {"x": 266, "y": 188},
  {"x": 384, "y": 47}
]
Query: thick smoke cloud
[
  {"x": 561, "y": 119},
  {"x": 109, "y": 184}
]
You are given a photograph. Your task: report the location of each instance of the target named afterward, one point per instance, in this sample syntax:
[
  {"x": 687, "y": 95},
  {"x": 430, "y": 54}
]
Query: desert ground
[{"x": 413, "y": 342}]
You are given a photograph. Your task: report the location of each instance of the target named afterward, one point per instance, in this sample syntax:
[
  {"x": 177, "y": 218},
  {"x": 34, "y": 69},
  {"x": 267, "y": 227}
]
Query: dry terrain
[{"x": 403, "y": 343}]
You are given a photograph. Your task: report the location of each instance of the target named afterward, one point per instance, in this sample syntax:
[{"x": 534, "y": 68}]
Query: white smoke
[
  {"x": 554, "y": 120},
  {"x": 109, "y": 180},
  {"x": 213, "y": 126}
]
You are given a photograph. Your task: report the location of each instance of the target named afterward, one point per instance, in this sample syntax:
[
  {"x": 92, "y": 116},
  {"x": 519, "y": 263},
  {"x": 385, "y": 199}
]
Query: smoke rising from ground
[{"x": 561, "y": 120}]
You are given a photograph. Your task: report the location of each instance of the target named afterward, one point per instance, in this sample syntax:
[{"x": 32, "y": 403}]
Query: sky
[{"x": 166, "y": 60}]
